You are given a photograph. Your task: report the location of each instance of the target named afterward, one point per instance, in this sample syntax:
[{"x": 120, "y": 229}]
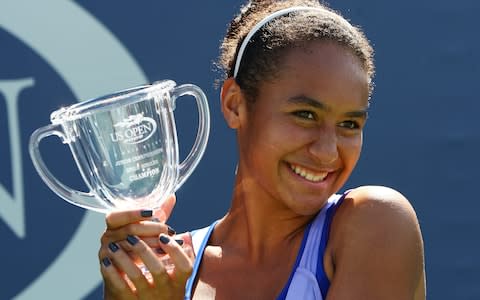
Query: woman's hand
[{"x": 133, "y": 254}]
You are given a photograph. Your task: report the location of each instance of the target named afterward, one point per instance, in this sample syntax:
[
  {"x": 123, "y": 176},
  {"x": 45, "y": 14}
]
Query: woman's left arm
[{"x": 376, "y": 248}]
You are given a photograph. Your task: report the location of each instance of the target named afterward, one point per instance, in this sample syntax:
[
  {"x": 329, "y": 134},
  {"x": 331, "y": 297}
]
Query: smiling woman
[{"x": 296, "y": 92}]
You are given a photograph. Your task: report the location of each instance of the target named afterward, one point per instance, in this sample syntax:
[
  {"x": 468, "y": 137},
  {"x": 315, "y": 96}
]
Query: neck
[{"x": 257, "y": 224}]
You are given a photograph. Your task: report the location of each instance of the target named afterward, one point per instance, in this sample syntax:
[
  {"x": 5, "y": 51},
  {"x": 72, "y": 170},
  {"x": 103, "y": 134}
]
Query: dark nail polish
[
  {"x": 164, "y": 239},
  {"x": 132, "y": 240},
  {"x": 180, "y": 242},
  {"x": 156, "y": 220},
  {"x": 171, "y": 231},
  {"x": 113, "y": 247},
  {"x": 106, "y": 261},
  {"x": 146, "y": 213},
  {"x": 159, "y": 251}
]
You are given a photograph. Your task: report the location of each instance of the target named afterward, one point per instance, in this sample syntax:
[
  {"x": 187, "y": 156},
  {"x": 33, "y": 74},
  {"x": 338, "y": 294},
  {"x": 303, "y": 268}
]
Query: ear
[{"x": 233, "y": 103}]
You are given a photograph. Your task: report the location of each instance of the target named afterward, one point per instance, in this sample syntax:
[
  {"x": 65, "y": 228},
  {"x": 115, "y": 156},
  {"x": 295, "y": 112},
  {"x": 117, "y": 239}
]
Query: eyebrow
[{"x": 302, "y": 99}]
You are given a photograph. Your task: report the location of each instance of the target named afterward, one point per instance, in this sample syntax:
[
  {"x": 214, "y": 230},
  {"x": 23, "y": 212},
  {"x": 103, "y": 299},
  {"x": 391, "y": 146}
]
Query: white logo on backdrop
[
  {"x": 12, "y": 208},
  {"x": 92, "y": 62}
]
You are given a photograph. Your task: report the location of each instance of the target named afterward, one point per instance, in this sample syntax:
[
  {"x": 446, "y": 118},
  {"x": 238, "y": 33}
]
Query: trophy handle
[
  {"x": 82, "y": 199},
  {"x": 193, "y": 158}
]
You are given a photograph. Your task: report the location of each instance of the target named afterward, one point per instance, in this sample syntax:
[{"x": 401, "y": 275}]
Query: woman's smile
[
  {"x": 312, "y": 176},
  {"x": 310, "y": 180}
]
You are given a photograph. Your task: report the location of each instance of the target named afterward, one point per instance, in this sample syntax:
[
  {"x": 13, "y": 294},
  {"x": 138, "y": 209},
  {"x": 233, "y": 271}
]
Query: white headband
[{"x": 260, "y": 25}]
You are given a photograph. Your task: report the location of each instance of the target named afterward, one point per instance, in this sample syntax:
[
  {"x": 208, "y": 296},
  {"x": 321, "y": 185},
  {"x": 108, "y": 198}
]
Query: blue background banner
[{"x": 422, "y": 137}]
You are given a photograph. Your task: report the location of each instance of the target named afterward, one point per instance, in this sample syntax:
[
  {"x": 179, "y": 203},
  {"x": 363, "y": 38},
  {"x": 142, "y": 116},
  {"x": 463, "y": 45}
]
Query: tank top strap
[
  {"x": 312, "y": 246},
  {"x": 200, "y": 239},
  {"x": 305, "y": 281},
  {"x": 322, "y": 279}
]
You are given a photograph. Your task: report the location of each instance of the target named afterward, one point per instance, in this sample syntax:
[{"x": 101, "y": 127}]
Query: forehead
[
  {"x": 322, "y": 56},
  {"x": 323, "y": 70}
]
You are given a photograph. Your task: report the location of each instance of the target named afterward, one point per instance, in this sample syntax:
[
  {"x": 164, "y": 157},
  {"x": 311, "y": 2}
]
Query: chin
[{"x": 308, "y": 207}]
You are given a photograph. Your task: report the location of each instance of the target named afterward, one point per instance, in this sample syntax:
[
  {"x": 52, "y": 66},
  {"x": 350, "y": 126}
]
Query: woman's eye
[
  {"x": 305, "y": 114},
  {"x": 350, "y": 124}
]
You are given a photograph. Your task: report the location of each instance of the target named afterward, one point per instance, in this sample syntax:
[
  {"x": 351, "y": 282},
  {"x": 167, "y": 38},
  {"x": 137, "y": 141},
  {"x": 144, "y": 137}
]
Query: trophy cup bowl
[{"x": 125, "y": 146}]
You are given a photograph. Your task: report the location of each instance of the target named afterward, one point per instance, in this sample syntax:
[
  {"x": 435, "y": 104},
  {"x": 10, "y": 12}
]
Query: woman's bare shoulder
[
  {"x": 376, "y": 246},
  {"x": 382, "y": 197},
  {"x": 376, "y": 214},
  {"x": 377, "y": 205}
]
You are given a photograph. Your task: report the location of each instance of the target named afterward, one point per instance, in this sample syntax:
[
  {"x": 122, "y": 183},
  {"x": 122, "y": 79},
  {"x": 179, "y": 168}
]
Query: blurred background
[{"x": 422, "y": 137}]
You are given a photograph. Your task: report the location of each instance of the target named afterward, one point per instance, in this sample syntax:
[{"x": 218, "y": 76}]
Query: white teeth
[{"x": 307, "y": 175}]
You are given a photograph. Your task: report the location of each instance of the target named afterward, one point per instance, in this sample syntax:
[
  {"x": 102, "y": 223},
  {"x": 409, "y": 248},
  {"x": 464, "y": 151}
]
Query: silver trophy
[{"x": 125, "y": 146}]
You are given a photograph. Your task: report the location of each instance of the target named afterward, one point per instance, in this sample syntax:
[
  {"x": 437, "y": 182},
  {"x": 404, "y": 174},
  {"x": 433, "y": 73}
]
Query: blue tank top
[{"x": 308, "y": 280}]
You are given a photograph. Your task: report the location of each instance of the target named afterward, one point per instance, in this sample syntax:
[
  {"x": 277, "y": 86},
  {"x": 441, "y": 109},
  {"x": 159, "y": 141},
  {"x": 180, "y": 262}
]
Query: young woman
[{"x": 297, "y": 89}]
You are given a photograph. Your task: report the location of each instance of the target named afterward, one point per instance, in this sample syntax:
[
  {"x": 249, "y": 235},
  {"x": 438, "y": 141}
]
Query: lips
[{"x": 312, "y": 176}]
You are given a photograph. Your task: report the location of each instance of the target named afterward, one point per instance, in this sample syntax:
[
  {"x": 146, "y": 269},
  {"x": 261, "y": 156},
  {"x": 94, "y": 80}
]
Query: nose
[{"x": 324, "y": 146}]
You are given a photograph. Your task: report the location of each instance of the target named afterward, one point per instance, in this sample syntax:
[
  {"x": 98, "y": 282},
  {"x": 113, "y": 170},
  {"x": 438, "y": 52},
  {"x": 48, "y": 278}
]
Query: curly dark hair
[{"x": 263, "y": 55}]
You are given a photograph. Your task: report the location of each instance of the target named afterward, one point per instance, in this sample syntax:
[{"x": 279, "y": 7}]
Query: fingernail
[
  {"x": 180, "y": 242},
  {"x": 146, "y": 213},
  {"x": 113, "y": 247},
  {"x": 164, "y": 239},
  {"x": 132, "y": 240},
  {"x": 156, "y": 220},
  {"x": 106, "y": 261},
  {"x": 171, "y": 231}
]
